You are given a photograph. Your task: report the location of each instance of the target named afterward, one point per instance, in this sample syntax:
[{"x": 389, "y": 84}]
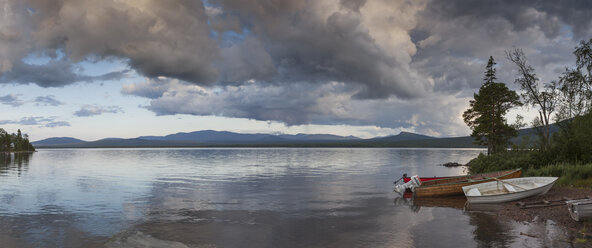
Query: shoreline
[
  {"x": 558, "y": 214},
  {"x": 19, "y": 152}
]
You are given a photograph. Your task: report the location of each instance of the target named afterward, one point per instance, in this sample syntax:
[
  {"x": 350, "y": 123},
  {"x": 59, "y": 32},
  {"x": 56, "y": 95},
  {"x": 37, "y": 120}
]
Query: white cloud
[{"x": 91, "y": 110}]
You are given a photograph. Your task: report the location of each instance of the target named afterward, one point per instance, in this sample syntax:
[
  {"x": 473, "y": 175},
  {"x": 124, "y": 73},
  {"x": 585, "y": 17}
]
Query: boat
[
  {"x": 579, "y": 209},
  {"x": 453, "y": 185},
  {"x": 508, "y": 189},
  {"x": 406, "y": 179}
]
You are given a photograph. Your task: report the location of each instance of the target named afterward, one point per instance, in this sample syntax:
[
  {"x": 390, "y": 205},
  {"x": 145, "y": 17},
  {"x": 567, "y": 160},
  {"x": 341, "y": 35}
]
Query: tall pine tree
[{"x": 486, "y": 115}]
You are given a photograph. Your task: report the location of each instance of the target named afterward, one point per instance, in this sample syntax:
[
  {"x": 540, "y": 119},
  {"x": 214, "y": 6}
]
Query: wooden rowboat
[
  {"x": 508, "y": 189},
  {"x": 406, "y": 179},
  {"x": 453, "y": 185},
  {"x": 579, "y": 209}
]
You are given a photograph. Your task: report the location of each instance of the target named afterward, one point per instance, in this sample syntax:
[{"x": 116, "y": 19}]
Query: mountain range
[
  {"x": 196, "y": 139},
  {"x": 210, "y": 138}
]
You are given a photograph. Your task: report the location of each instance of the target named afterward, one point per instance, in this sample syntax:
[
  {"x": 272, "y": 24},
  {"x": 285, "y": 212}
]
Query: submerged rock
[
  {"x": 138, "y": 239},
  {"x": 452, "y": 164}
]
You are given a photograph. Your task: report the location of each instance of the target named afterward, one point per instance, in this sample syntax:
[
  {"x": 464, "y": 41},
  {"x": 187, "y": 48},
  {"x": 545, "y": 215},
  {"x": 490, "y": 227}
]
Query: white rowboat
[
  {"x": 508, "y": 189},
  {"x": 579, "y": 209}
]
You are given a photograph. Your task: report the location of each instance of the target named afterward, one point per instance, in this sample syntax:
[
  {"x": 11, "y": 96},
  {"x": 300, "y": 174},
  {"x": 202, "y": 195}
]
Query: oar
[{"x": 508, "y": 183}]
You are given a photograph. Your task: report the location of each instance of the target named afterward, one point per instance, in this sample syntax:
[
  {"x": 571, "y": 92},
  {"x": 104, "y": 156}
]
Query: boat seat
[
  {"x": 510, "y": 188},
  {"x": 473, "y": 192}
]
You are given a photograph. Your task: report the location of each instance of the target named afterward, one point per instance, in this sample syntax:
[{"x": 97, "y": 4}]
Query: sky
[{"x": 126, "y": 68}]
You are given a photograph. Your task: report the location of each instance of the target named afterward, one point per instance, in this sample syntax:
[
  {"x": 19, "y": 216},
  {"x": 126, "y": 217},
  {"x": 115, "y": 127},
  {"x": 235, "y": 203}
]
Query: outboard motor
[{"x": 414, "y": 182}]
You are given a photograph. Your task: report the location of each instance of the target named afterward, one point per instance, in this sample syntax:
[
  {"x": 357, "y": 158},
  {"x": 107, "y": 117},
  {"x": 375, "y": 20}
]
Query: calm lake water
[{"x": 243, "y": 197}]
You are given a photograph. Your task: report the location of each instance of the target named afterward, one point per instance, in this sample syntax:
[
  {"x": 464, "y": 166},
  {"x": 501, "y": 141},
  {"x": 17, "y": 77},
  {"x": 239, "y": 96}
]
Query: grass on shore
[
  {"x": 574, "y": 175},
  {"x": 533, "y": 164}
]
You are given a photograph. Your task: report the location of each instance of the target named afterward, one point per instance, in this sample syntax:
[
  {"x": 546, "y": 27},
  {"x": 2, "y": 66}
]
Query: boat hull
[
  {"x": 423, "y": 179},
  {"x": 453, "y": 185},
  {"x": 579, "y": 209},
  {"x": 496, "y": 192}
]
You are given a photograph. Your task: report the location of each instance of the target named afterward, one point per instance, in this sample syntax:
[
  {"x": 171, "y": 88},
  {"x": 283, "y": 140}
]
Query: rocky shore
[{"x": 558, "y": 214}]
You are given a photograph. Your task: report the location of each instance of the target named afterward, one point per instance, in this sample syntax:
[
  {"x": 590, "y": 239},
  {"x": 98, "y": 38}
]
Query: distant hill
[
  {"x": 57, "y": 140},
  {"x": 316, "y": 137},
  {"x": 221, "y": 137},
  {"x": 210, "y": 138},
  {"x": 202, "y": 138},
  {"x": 404, "y": 136},
  {"x": 135, "y": 142}
]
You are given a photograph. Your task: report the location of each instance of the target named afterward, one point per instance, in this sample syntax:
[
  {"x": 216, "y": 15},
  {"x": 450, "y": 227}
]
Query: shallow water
[{"x": 240, "y": 197}]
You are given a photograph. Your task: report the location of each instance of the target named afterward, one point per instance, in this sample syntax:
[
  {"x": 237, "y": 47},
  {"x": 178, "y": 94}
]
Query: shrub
[
  {"x": 574, "y": 142},
  {"x": 578, "y": 175},
  {"x": 507, "y": 160}
]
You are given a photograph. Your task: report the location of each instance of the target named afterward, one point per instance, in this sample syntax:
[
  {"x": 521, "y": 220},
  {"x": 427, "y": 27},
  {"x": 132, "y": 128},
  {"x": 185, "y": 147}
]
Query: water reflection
[
  {"x": 485, "y": 226},
  {"x": 14, "y": 162},
  {"x": 489, "y": 230},
  {"x": 416, "y": 203},
  {"x": 228, "y": 197}
]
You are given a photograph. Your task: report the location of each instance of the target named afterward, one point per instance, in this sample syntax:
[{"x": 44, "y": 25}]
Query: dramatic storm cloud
[
  {"x": 395, "y": 64},
  {"x": 156, "y": 37},
  {"x": 279, "y": 42},
  {"x": 302, "y": 103}
]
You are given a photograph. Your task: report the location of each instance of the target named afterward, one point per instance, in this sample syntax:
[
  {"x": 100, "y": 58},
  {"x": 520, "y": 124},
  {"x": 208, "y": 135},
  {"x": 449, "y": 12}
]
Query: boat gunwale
[
  {"x": 433, "y": 183},
  {"x": 509, "y": 193}
]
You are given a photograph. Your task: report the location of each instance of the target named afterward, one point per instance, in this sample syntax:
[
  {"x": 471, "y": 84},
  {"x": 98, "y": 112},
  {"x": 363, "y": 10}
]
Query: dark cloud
[
  {"x": 229, "y": 42},
  {"x": 56, "y": 73},
  {"x": 393, "y": 61},
  {"x": 293, "y": 104},
  {"x": 91, "y": 110},
  {"x": 12, "y": 100},
  {"x": 455, "y": 38},
  {"x": 353, "y": 4},
  {"x": 372, "y": 44},
  {"x": 323, "y": 62},
  {"x": 548, "y": 16},
  {"x": 298, "y": 104},
  {"x": 36, "y": 121},
  {"x": 335, "y": 41},
  {"x": 158, "y": 38},
  {"x": 47, "y": 101}
]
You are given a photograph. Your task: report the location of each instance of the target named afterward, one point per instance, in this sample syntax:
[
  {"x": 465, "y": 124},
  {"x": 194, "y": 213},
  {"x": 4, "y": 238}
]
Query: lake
[{"x": 241, "y": 197}]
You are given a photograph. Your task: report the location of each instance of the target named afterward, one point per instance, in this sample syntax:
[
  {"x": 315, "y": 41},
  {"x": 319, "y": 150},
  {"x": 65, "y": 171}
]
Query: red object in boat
[
  {"x": 423, "y": 179},
  {"x": 408, "y": 194}
]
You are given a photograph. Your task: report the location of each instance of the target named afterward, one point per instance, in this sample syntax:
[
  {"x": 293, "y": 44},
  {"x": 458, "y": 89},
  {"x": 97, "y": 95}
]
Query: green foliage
[
  {"x": 577, "y": 175},
  {"x": 574, "y": 142},
  {"x": 575, "y": 85},
  {"x": 544, "y": 100},
  {"x": 486, "y": 115},
  {"x": 14, "y": 142},
  {"x": 508, "y": 160},
  {"x": 569, "y": 154}
]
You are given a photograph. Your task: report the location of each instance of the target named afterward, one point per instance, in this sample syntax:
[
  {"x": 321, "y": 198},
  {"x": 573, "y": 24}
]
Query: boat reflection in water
[
  {"x": 456, "y": 202},
  {"x": 488, "y": 229}
]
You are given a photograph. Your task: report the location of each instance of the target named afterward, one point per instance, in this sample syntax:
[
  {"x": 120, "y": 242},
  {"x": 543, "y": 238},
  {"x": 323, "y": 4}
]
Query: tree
[
  {"x": 18, "y": 141},
  {"x": 5, "y": 141},
  {"x": 14, "y": 142},
  {"x": 544, "y": 100},
  {"x": 575, "y": 143},
  {"x": 575, "y": 86},
  {"x": 486, "y": 115}
]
